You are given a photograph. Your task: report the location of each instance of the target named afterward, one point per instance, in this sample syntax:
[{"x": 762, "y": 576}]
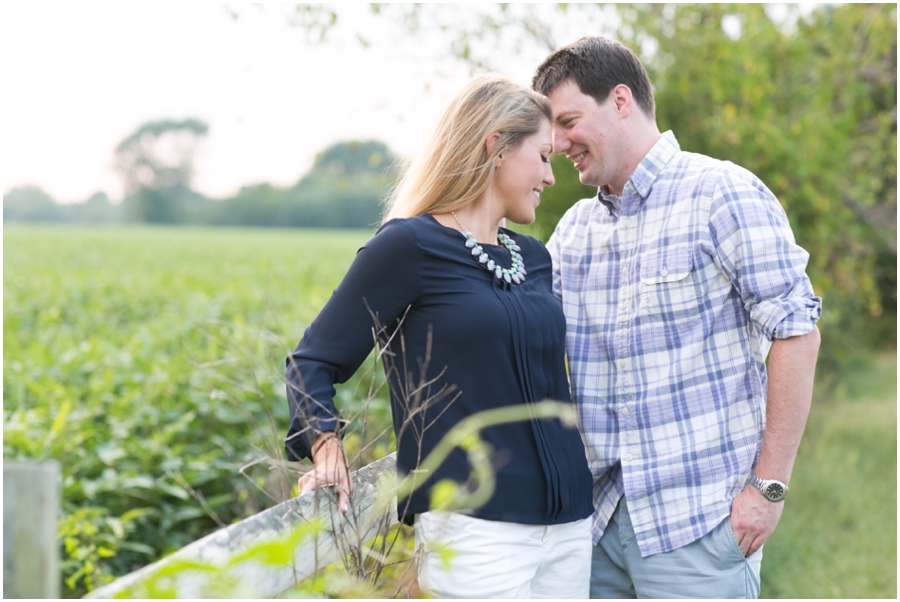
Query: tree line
[{"x": 343, "y": 189}]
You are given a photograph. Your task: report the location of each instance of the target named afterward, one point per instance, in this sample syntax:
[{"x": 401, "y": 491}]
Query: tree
[
  {"x": 343, "y": 189},
  {"x": 29, "y": 203},
  {"x": 96, "y": 209},
  {"x": 345, "y": 186},
  {"x": 157, "y": 165}
]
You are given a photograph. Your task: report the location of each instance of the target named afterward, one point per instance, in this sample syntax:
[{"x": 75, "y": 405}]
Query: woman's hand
[{"x": 331, "y": 469}]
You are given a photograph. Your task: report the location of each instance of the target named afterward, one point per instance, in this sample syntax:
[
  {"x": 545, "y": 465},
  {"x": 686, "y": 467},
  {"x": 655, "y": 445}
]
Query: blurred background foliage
[{"x": 149, "y": 361}]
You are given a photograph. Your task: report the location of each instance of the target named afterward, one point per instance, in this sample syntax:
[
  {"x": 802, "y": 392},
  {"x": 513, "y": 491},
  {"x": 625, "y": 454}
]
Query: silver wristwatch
[{"x": 772, "y": 490}]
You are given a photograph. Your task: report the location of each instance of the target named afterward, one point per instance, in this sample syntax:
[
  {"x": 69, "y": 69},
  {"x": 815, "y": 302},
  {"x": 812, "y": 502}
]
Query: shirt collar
[{"x": 647, "y": 171}]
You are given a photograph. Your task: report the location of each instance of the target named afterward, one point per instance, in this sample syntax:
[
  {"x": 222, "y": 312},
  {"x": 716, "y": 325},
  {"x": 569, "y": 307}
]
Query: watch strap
[{"x": 771, "y": 489}]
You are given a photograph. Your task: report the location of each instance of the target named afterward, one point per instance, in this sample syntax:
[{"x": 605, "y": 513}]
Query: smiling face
[
  {"x": 590, "y": 135},
  {"x": 521, "y": 175}
]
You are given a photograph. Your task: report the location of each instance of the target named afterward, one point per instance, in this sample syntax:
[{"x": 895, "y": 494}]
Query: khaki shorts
[{"x": 711, "y": 567}]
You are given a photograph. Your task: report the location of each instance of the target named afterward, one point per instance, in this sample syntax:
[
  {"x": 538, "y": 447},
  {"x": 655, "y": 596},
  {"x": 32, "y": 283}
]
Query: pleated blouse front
[{"x": 457, "y": 342}]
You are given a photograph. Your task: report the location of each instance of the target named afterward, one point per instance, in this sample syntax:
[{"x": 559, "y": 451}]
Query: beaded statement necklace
[{"x": 516, "y": 272}]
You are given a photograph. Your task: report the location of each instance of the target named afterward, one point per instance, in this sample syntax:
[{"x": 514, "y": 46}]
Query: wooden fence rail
[{"x": 198, "y": 569}]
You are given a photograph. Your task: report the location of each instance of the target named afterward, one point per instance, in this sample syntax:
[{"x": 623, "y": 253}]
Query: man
[{"x": 676, "y": 282}]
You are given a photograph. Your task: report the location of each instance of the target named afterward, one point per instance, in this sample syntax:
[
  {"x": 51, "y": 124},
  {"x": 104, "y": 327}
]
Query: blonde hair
[{"x": 455, "y": 167}]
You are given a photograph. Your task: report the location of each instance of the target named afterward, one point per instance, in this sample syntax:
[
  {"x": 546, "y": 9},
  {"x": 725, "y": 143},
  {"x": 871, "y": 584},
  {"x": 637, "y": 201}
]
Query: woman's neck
[{"x": 473, "y": 218}]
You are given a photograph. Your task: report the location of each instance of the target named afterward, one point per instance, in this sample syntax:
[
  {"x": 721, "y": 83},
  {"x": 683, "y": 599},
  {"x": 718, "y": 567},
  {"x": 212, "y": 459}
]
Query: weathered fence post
[{"x": 31, "y": 493}]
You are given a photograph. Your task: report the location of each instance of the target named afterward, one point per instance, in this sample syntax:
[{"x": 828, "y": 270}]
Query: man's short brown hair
[{"x": 597, "y": 65}]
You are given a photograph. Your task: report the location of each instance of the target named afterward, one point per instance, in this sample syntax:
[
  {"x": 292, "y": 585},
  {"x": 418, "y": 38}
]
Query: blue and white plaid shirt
[{"x": 672, "y": 294}]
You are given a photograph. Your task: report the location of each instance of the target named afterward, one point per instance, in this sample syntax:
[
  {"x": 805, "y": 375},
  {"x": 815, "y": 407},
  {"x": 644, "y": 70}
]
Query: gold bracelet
[{"x": 321, "y": 443}]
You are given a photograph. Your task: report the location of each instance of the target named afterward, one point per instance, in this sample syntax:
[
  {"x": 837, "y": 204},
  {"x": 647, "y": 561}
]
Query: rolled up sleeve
[{"x": 755, "y": 248}]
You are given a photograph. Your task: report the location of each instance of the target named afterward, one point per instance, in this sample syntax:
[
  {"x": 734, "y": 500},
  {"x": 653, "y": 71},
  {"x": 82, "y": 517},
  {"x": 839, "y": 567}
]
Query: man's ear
[
  {"x": 623, "y": 101},
  {"x": 491, "y": 142}
]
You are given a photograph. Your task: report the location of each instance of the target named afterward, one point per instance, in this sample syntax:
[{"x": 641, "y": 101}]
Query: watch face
[{"x": 774, "y": 491}]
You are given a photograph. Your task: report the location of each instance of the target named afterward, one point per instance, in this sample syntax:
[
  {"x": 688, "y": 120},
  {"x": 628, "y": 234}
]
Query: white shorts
[{"x": 464, "y": 557}]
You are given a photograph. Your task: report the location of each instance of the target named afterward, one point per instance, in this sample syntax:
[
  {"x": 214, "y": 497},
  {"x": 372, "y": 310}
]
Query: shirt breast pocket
[{"x": 669, "y": 300}]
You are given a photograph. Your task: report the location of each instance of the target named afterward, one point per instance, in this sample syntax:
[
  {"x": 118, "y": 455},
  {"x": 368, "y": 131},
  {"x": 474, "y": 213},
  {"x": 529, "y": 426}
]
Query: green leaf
[
  {"x": 140, "y": 548},
  {"x": 135, "y": 513},
  {"x": 172, "y": 490},
  {"x": 59, "y": 423},
  {"x": 444, "y": 494}
]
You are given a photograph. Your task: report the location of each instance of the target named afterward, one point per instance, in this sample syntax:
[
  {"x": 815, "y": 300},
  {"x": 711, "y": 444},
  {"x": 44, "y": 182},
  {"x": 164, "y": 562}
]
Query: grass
[
  {"x": 838, "y": 535},
  {"x": 149, "y": 361}
]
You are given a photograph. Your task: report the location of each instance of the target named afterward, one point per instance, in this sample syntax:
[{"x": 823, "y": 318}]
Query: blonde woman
[{"x": 469, "y": 311}]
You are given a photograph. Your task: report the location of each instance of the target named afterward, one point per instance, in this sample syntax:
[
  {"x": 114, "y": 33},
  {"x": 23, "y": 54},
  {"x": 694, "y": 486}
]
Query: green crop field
[{"x": 149, "y": 363}]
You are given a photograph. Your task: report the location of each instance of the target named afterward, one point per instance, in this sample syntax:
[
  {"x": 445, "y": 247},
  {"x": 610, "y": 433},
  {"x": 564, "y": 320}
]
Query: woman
[{"x": 470, "y": 324}]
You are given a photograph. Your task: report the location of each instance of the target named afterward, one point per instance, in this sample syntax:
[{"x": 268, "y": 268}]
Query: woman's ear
[{"x": 491, "y": 142}]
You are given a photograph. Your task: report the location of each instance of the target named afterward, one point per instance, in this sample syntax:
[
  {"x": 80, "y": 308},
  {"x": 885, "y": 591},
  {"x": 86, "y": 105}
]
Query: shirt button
[
  {"x": 628, "y": 457},
  {"x": 625, "y": 411},
  {"x": 664, "y": 272},
  {"x": 622, "y": 363},
  {"x": 624, "y": 269}
]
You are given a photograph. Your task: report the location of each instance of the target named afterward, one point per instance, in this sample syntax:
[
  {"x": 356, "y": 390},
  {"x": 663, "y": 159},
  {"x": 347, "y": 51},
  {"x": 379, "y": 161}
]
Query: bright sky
[{"x": 81, "y": 76}]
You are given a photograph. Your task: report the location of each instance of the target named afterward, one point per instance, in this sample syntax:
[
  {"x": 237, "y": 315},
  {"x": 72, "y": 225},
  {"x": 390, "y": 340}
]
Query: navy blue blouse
[{"x": 457, "y": 341}]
